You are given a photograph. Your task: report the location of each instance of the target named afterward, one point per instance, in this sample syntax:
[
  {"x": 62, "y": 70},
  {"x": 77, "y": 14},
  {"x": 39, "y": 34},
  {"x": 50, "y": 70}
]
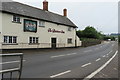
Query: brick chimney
[
  {"x": 45, "y": 5},
  {"x": 65, "y": 12}
]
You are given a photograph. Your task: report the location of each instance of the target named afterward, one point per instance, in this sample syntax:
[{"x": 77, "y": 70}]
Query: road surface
[{"x": 71, "y": 62}]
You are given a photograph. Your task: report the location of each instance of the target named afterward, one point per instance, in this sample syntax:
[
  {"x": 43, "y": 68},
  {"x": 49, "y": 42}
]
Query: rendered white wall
[{"x": 15, "y": 29}]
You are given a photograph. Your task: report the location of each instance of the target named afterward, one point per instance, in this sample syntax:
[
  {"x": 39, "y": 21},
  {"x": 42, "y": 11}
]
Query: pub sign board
[{"x": 30, "y": 25}]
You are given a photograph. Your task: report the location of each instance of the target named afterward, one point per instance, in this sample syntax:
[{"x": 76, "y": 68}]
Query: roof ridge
[
  {"x": 28, "y": 10},
  {"x": 37, "y": 8}
]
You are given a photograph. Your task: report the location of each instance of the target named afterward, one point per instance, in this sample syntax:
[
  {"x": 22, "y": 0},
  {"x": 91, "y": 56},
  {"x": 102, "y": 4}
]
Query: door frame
[{"x": 53, "y": 43}]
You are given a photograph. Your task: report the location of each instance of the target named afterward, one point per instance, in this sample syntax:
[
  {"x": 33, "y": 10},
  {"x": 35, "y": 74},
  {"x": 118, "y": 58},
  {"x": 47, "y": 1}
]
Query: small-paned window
[
  {"x": 10, "y": 39},
  {"x": 33, "y": 40},
  {"x": 41, "y": 23},
  {"x": 16, "y": 19},
  {"x": 69, "y": 40}
]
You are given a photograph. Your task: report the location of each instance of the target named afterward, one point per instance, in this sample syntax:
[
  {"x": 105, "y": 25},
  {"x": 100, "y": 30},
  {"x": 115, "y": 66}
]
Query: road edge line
[{"x": 99, "y": 69}]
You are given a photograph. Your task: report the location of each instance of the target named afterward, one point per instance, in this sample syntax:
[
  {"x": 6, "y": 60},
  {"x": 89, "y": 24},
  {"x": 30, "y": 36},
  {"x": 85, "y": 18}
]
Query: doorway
[{"x": 53, "y": 43}]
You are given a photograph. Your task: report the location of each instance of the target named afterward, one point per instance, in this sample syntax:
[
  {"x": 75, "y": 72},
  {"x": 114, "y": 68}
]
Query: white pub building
[{"x": 26, "y": 27}]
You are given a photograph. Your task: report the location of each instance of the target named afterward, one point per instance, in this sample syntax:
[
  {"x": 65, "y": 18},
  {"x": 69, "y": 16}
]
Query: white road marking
[
  {"x": 107, "y": 56},
  {"x": 115, "y": 68},
  {"x": 60, "y": 74},
  {"x": 110, "y": 51},
  {"x": 112, "y": 44},
  {"x": 11, "y": 62},
  {"x": 98, "y": 59},
  {"x": 102, "y": 67},
  {"x": 57, "y": 56},
  {"x": 96, "y": 48},
  {"x": 104, "y": 56},
  {"x": 63, "y": 55},
  {"x": 71, "y": 54},
  {"x": 85, "y": 65},
  {"x": 87, "y": 51}
]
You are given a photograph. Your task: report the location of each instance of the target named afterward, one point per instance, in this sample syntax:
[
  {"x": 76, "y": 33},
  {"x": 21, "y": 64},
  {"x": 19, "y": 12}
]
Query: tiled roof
[{"x": 29, "y": 11}]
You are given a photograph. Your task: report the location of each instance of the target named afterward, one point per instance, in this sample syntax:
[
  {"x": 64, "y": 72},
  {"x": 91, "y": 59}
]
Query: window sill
[
  {"x": 33, "y": 43},
  {"x": 42, "y": 26},
  {"x": 16, "y": 22},
  {"x": 10, "y": 44},
  {"x": 70, "y": 43}
]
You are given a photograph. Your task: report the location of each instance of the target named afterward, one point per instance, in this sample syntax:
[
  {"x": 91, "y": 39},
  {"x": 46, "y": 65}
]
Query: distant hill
[{"x": 114, "y": 34}]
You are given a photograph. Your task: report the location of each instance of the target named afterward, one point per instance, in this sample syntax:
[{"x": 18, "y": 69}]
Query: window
[
  {"x": 41, "y": 24},
  {"x": 69, "y": 41},
  {"x": 69, "y": 28},
  {"x": 10, "y": 39},
  {"x": 33, "y": 40},
  {"x": 16, "y": 18}
]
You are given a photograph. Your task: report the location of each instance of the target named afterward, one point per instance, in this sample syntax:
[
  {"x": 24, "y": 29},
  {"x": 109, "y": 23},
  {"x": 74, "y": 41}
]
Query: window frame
[
  {"x": 69, "y": 41},
  {"x": 41, "y": 23},
  {"x": 33, "y": 40},
  {"x": 10, "y": 40},
  {"x": 16, "y": 19},
  {"x": 69, "y": 28}
]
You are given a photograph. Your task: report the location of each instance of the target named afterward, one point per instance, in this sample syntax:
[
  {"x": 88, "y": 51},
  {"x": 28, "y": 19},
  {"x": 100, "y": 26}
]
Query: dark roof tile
[{"x": 26, "y": 10}]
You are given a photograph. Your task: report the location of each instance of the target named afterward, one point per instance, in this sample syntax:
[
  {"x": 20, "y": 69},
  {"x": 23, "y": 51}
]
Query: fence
[
  {"x": 90, "y": 42},
  {"x": 19, "y": 69}
]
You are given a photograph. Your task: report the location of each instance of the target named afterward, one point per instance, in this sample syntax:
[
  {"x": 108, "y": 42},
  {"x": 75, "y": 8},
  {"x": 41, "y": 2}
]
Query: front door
[{"x": 53, "y": 43}]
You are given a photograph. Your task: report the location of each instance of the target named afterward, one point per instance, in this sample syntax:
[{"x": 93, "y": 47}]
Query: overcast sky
[{"x": 102, "y": 14}]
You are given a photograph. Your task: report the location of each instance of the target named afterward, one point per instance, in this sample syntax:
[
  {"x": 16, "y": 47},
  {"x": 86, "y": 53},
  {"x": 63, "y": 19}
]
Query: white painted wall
[
  {"x": 14, "y": 29},
  {"x": 0, "y": 30}
]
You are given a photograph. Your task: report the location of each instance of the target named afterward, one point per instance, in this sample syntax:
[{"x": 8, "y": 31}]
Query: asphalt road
[{"x": 67, "y": 63}]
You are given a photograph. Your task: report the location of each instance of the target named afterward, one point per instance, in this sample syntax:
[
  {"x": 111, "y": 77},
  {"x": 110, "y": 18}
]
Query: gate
[{"x": 18, "y": 69}]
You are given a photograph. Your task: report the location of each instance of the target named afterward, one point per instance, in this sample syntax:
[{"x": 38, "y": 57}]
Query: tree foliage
[{"x": 89, "y": 32}]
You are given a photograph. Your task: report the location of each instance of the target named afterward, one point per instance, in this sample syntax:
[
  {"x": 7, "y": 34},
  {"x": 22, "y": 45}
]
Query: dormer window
[
  {"x": 16, "y": 19},
  {"x": 41, "y": 23}
]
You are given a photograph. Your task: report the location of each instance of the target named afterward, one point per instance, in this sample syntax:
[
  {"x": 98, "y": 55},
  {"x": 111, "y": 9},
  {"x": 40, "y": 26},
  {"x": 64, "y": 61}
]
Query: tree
[
  {"x": 79, "y": 33},
  {"x": 90, "y": 32}
]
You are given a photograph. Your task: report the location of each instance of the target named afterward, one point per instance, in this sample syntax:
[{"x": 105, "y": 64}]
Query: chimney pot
[
  {"x": 45, "y": 5},
  {"x": 65, "y": 12}
]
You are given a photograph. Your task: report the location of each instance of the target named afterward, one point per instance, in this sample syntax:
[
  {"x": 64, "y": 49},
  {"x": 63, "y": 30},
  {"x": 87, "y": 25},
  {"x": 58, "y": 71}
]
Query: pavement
[{"x": 71, "y": 63}]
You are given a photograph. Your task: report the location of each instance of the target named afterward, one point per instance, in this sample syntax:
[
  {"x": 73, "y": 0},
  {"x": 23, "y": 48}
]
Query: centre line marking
[
  {"x": 72, "y": 54},
  {"x": 104, "y": 56},
  {"x": 11, "y": 62},
  {"x": 98, "y": 59},
  {"x": 112, "y": 44},
  {"x": 99, "y": 69},
  {"x": 85, "y": 65},
  {"x": 63, "y": 55},
  {"x": 60, "y": 74},
  {"x": 110, "y": 51},
  {"x": 96, "y": 48},
  {"x": 57, "y": 56}
]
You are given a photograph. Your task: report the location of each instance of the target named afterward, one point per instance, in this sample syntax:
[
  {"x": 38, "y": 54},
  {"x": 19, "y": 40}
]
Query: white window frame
[
  {"x": 7, "y": 41},
  {"x": 41, "y": 23},
  {"x": 33, "y": 40},
  {"x": 17, "y": 19}
]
